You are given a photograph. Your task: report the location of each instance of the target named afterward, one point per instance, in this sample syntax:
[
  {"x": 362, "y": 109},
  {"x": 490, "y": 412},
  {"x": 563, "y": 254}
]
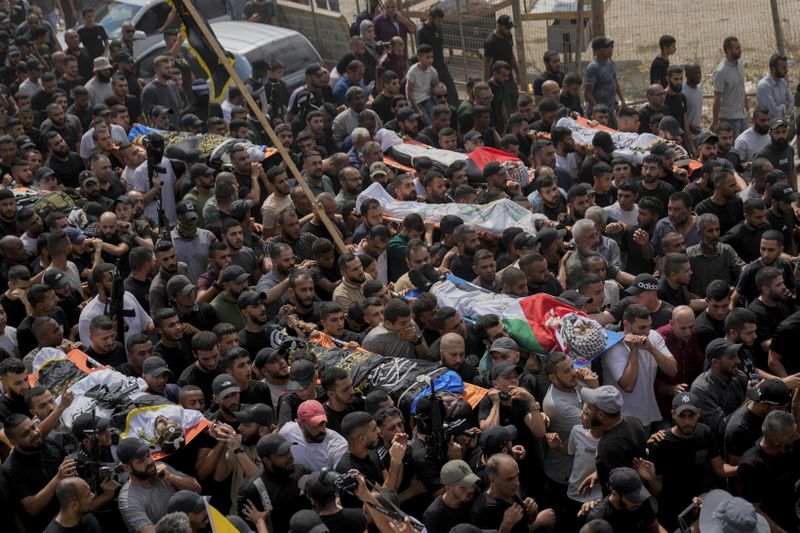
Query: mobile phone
[{"x": 688, "y": 517}]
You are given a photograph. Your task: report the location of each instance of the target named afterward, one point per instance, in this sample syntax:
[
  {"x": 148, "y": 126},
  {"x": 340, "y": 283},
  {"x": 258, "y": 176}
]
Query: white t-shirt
[
  {"x": 136, "y": 324},
  {"x": 569, "y": 163},
  {"x": 142, "y": 184},
  {"x": 315, "y": 455},
  {"x": 630, "y": 218},
  {"x": 641, "y": 403},
  {"x": 748, "y": 144},
  {"x": 583, "y": 448},
  {"x": 422, "y": 80},
  {"x": 87, "y": 142}
]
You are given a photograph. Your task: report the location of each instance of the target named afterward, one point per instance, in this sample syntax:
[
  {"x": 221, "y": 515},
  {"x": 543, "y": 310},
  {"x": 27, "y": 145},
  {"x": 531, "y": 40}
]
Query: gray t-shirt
[
  {"x": 384, "y": 342},
  {"x": 729, "y": 80},
  {"x": 564, "y": 410},
  {"x": 142, "y": 506},
  {"x": 602, "y": 78}
]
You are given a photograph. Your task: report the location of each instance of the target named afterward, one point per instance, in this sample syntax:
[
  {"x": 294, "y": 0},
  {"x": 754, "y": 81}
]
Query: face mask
[{"x": 187, "y": 228}]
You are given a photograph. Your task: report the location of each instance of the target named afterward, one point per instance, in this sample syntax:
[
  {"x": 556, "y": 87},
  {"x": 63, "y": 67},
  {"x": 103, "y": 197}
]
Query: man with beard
[
  {"x": 34, "y": 469},
  {"x": 781, "y": 214},
  {"x": 768, "y": 472},
  {"x": 8, "y": 213},
  {"x": 219, "y": 256},
  {"x": 173, "y": 345},
  {"x": 679, "y": 218},
  {"x": 338, "y": 387},
  {"x": 274, "y": 370},
  {"x": 203, "y": 178},
  {"x": 15, "y": 384},
  {"x": 144, "y": 499},
  {"x": 202, "y": 372},
  {"x": 587, "y": 241},
  {"x": 90, "y": 189},
  {"x": 679, "y": 461},
  {"x": 676, "y": 105},
  {"x": 254, "y": 423},
  {"x": 195, "y": 315},
  {"x": 56, "y": 121},
  {"x": 277, "y": 201},
  {"x": 301, "y": 304},
  {"x": 350, "y": 181},
  {"x": 288, "y": 225},
  {"x": 453, "y": 506},
  {"x": 753, "y": 139},
  {"x": 314, "y": 445},
  {"x": 778, "y": 152},
  {"x": 773, "y": 91},
  {"x": 190, "y": 242},
  {"x": 191, "y": 505},
  {"x": 467, "y": 243},
  {"x": 629, "y": 506},
  {"x": 226, "y": 400},
  {"x": 745, "y": 237},
  {"x": 656, "y": 97},
  {"x": 168, "y": 266},
  {"x": 99, "y": 86},
  {"x": 771, "y": 308},
  {"x": 730, "y": 101},
  {"x": 274, "y": 283},
  {"x": 353, "y": 277},
  {"x": 116, "y": 242},
  {"x": 653, "y": 184},
  {"x": 241, "y": 255},
  {"x": 712, "y": 260},
  {"x": 771, "y": 248},
  {"x": 451, "y": 349},
  {"x": 162, "y": 90},
  {"x": 234, "y": 283},
  {"x": 279, "y": 479},
  {"x": 102, "y": 276}
]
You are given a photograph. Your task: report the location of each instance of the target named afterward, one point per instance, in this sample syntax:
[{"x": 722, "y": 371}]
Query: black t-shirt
[
  {"x": 767, "y": 321},
  {"x": 30, "y": 473},
  {"x": 658, "y": 71},
  {"x": 345, "y": 521},
  {"x": 88, "y": 524},
  {"x": 203, "y": 316},
  {"x": 92, "y": 39},
  {"x": 743, "y": 431},
  {"x": 635, "y": 263},
  {"x": 771, "y": 480},
  {"x": 676, "y": 107},
  {"x": 335, "y": 417},
  {"x": 697, "y": 194},
  {"x": 177, "y": 358},
  {"x": 427, "y": 468},
  {"x": 660, "y": 317},
  {"x": 558, "y": 77},
  {"x": 783, "y": 338},
  {"x": 194, "y": 376},
  {"x": 674, "y": 297},
  {"x": 499, "y": 48},
  {"x": 440, "y": 518},
  {"x": 783, "y": 224},
  {"x": 662, "y": 192},
  {"x": 622, "y": 519},
  {"x": 550, "y": 286},
  {"x": 254, "y": 342},
  {"x": 746, "y": 241},
  {"x": 618, "y": 447},
  {"x": 729, "y": 214},
  {"x": 12, "y": 406},
  {"x": 115, "y": 357},
  {"x": 381, "y": 104},
  {"x": 26, "y": 340},
  {"x": 746, "y": 286},
  {"x": 140, "y": 291},
  {"x": 67, "y": 171},
  {"x": 462, "y": 267},
  {"x": 683, "y": 464},
  {"x": 708, "y": 329},
  {"x": 15, "y": 311},
  {"x": 510, "y": 415},
  {"x": 781, "y": 158},
  {"x": 256, "y": 392},
  {"x": 370, "y": 466},
  {"x": 487, "y": 513}
]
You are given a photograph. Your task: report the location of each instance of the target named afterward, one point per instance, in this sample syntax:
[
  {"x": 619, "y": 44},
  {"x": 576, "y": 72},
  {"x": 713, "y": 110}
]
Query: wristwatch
[
  {"x": 419, "y": 341},
  {"x": 239, "y": 449}
]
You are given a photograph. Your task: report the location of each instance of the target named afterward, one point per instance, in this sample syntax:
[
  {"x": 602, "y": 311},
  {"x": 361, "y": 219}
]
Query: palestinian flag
[
  {"x": 200, "y": 47},
  {"x": 532, "y": 321}
]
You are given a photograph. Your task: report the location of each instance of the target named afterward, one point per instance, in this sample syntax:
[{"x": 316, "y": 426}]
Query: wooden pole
[
  {"x": 519, "y": 36},
  {"x": 256, "y": 112},
  {"x": 776, "y": 23},
  {"x": 598, "y": 18},
  {"x": 579, "y": 37}
]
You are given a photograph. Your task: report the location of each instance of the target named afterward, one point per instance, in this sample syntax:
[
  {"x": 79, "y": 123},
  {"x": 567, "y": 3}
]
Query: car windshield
[{"x": 113, "y": 14}]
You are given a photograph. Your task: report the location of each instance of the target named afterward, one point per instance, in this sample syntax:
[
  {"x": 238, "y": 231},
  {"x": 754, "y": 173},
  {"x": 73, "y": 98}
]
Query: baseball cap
[
  {"x": 493, "y": 167},
  {"x": 132, "y": 448},
  {"x": 525, "y": 240},
  {"x": 234, "y": 273},
  {"x": 504, "y": 345},
  {"x": 671, "y": 126},
  {"x": 719, "y": 347},
  {"x": 601, "y": 42},
  {"x": 777, "y": 123},
  {"x": 123, "y": 199},
  {"x": 782, "y": 191},
  {"x": 683, "y": 401},
  {"x": 627, "y": 483},
  {"x": 158, "y": 110},
  {"x": 190, "y": 119},
  {"x": 606, "y": 398},
  {"x": 248, "y": 298},
  {"x": 770, "y": 391},
  {"x": 87, "y": 175},
  {"x": 505, "y": 20},
  {"x": 642, "y": 283},
  {"x": 266, "y": 355},
  {"x": 260, "y": 413},
  {"x": 575, "y": 298},
  {"x": 179, "y": 285},
  {"x": 155, "y": 366},
  {"x": 272, "y": 443},
  {"x": 314, "y": 70},
  {"x": 311, "y": 412},
  {"x": 378, "y": 167},
  {"x": 186, "y": 501},
  {"x": 503, "y": 369},
  {"x": 707, "y": 137},
  {"x": 34, "y": 64},
  {"x": 224, "y": 385},
  {"x": 123, "y": 57},
  {"x": 201, "y": 169},
  {"x": 548, "y": 236},
  {"x": 314, "y": 487},
  {"x": 307, "y": 521},
  {"x": 457, "y": 472},
  {"x": 75, "y": 235},
  {"x": 55, "y": 278},
  {"x": 83, "y": 425},
  {"x": 301, "y": 374},
  {"x": 407, "y": 114},
  {"x": 240, "y": 208},
  {"x": 13, "y": 51},
  {"x": 724, "y": 513},
  {"x": 602, "y": 139},
  {"x": 493, "y": 439},
  {"x": 184, "y": 208},
  {"x": 472, "y": 135}
]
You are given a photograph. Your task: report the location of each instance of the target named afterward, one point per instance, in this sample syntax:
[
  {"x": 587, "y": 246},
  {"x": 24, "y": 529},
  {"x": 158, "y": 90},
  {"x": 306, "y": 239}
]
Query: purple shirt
[{"x": 385, "y": 29}]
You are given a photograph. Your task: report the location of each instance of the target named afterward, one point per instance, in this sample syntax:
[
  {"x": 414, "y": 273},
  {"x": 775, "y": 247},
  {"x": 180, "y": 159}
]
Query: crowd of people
[{"x": 225, "y": 270}]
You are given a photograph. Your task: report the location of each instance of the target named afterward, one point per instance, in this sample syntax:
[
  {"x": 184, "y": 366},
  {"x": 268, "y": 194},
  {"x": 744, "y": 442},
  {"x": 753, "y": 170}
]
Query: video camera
[{"x": 341, "y": 482}]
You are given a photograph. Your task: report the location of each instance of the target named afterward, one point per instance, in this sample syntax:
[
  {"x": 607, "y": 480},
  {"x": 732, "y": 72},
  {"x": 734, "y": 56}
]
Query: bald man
[
  {"x": 452, "y": 353},
  {"x": 550, "y": 89},
  {"x": 75, "y": 499},
  {"x": 681, "y": 340},
  {"x": 656, "y": 98}
]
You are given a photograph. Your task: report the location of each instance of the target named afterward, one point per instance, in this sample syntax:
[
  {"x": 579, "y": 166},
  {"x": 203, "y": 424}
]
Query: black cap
[
  {"x": 547, "y": 236},
  {"x": 603, "y": 140},
  {"x": 601, "y": 42},
  {"x": 683, "y": 401},
  {"x": 313, "y": 487},
  {"x": 182, "y": 208},
  {"x": 314, "y": 70},
  {"x": 158, "y": 110},
  {"x": 132, "y": 448},
  {"x": 190, "y": 119},
  {"x": 642, "y": 283},
  {"x": 273, "y": 443},
  {"x": 201, "y": 169},
  {"x": 524, "y": 240},
  {"x": 783, "y": 192},
  {"x": 155, "y": 366},
  {"x": 707, "y": 137},
  {"x": 505, "y": 20},
  {"x": 265, "y": 356},
  {"x": 179, "y": 284},
  {"x": 123, "y": 199},
  {"x": 87, "y": 175},
  {"x": 575, "y": 298},
  {"x": 260, "y": 413},
  {"x": 224, "y": 385},
  {"x": 503, "y": 369},
  {"x": 493, "y": 439},
  {"x": 662, "y": 149},
  {"x": 493, "y": 167},
  {"x": 84, "y": 424},
  {"x": 770, "y": 391},
  {"x": 248, "y": 298},
  {"x": 720, "y": 347},
  {"x": 777, "y": 123},
  {"x": 234, "y": 273},
  {"x": 307, "y": 521},
  {"x": 300, "y": 375},
  {"x": 406, "y": 114},
  {"x": 240, "y": 208},
  {"x": 55, "y": 278},
  {"x": 123, "y": 57},
  {"x": 186, "y": 501}
]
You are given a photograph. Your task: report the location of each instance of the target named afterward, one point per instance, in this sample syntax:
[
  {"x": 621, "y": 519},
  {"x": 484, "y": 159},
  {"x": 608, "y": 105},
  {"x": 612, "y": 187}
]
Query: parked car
[
  {"x": 248, "y": 42},
  {"x": 147, "y": 15}
]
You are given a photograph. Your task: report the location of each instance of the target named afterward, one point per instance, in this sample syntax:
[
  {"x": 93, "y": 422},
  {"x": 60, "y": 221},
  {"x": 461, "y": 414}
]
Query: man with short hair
[
  {"x": 681, "y": 340},
  {"x": 206, "y": 366},
  {"x": 600, "y": 84},
  {"x": 629, "y": 506},
  {"x": 778, "y": 151},
  {"x": 771, "y": 308},
  {"x": 730, "y": 101},
  {"x": 315, "y": 446},
  {"x": 710, "y": 259},
  {"x": 397, "y": 335},
  {"x": 75, "y": 499}
]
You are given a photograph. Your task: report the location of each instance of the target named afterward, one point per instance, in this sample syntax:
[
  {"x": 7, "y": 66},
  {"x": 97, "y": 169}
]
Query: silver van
[{"x": 146, "y": 15}]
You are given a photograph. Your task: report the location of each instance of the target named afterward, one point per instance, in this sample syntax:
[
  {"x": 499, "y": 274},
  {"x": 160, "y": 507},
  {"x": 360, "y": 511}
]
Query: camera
[
  {"x": 154, "y": 145},
  {"x": 107, "y": 472},
  {"x": 458, "y": 427},
  {"x": 382, "y": 44},
  {"x": 341, "y": 482}
]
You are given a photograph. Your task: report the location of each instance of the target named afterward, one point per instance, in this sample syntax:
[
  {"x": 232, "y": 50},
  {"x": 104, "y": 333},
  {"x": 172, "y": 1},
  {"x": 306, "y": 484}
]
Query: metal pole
[
  {"x": 776, "y": 23},
  {"x": 463, "y": 43},
  {"x": 519, "y": 35},
  {"x": 598, "y": 18},
  {"x": 313, "y": 3},
  {"x": 579, "y": 37}
]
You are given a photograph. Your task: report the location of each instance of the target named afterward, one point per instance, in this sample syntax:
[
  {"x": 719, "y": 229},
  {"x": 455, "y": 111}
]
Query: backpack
[{"x": 65, "y": 201}]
